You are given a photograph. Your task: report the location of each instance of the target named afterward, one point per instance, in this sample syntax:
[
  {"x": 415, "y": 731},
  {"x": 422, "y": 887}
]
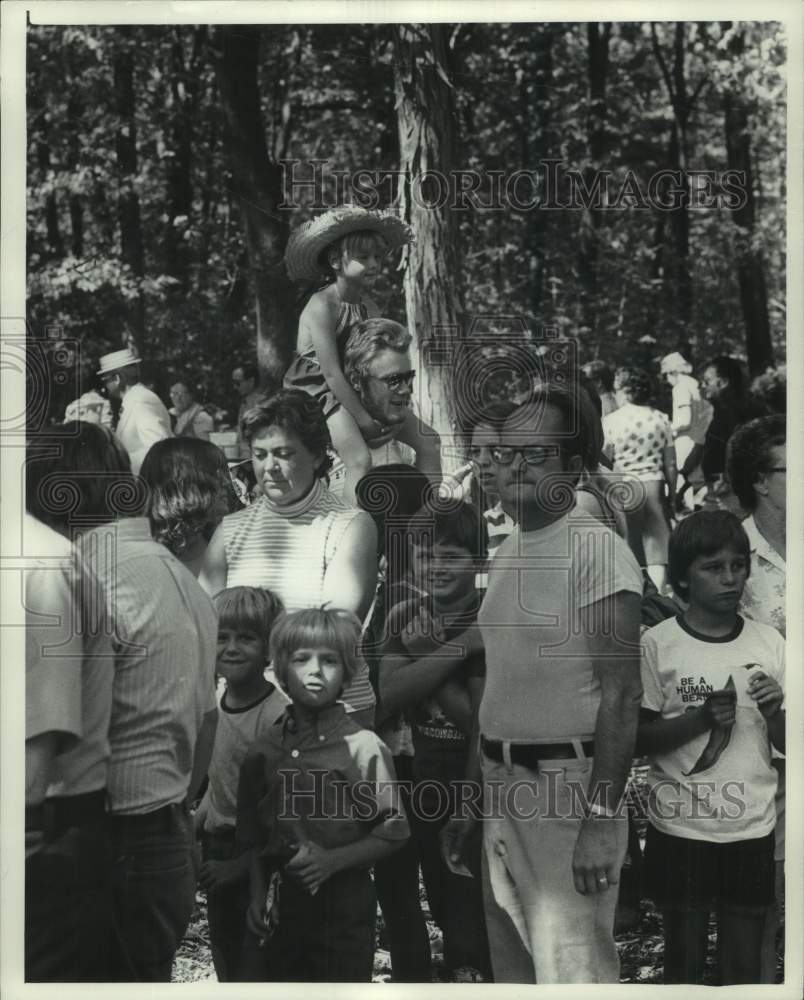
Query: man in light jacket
[{"x": 144, "y": 419}]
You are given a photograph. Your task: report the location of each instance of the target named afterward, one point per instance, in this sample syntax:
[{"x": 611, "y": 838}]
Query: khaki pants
[{"x": 540, "y": 929}]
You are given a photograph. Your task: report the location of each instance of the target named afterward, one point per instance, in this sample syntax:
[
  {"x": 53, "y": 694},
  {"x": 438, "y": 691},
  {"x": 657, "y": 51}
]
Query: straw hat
[
  {"x": 310, "y": 240},
  {"x": 118, "y": 359},
  {"x": 674, "y": 362}
]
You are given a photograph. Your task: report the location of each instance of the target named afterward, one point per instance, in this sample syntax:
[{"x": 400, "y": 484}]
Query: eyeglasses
[
  {"x": 533, "y": 454},
  {"x": 397, "y": 380}
]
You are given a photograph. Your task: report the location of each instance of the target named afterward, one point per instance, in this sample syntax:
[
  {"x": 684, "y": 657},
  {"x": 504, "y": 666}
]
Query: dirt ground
[{"x": 641, "y": 949}]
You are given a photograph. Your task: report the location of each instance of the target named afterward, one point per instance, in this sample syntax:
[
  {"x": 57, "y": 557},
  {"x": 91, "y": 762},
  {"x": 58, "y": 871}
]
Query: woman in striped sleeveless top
[{"x": 299, "y": 541}]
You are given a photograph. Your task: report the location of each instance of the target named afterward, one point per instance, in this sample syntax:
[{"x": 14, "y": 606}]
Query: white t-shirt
[
  {"x": 714, "y": 787},
  {"x": 540, "y": 683}
]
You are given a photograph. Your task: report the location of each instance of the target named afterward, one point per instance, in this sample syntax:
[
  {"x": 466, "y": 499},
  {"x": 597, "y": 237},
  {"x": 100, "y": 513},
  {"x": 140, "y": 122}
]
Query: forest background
[{"x": 160, "y": 194}]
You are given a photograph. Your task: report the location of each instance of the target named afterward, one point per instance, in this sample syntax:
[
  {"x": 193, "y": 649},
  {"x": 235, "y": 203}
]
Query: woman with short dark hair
[{"x": 297, "y": 540}]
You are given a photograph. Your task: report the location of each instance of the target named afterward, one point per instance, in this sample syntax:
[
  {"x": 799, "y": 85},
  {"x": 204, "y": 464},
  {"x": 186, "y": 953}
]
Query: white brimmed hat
[
  {"x": 118, "y": 359},
  {"x": 674, "y": 362},
  {"x": 308, "y": 242}
]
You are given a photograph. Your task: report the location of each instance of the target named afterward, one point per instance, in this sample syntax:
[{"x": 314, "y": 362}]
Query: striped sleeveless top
[{"x": 287, "y": 550}]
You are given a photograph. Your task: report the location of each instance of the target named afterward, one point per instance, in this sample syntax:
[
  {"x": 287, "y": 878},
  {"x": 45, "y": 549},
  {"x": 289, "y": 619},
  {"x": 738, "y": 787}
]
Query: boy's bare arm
[
  {"x": 425, "y": 441},
  {"x": 407, "y": 680},
  {"x": 203, "y": 752},
  {"x": 258, "y": 890},
  {"x": 453, "y": 699},
  {"x": 768, "y": 695},
  {"x": 657, "y": 735}
]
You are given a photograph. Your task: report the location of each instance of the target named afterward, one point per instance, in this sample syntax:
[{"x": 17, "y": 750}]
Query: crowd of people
[{"x": 307, "y": 702}]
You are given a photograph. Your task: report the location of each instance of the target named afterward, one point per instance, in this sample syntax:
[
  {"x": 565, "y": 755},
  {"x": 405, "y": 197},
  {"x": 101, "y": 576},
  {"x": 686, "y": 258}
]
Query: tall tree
[
  {"x": 428, "y": 140},
  {"x": 184, "y": 83},
  {"x": 678, "y": 280},
  {"x": 598, "y": 36},
  {"x": 535, "y": 96},
  {"x": 749, "y": 259},
  {"x": 131, "y": 242},
  {"x": 257, "y": 185}
]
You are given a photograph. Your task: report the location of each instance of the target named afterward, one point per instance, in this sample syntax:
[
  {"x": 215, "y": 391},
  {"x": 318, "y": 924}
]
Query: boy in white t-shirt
[{"x": 711, "y": 709}]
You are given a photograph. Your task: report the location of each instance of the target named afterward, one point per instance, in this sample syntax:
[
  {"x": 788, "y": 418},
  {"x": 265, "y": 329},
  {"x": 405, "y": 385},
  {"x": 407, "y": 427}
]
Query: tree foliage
[{"x": 141, "y": 226}]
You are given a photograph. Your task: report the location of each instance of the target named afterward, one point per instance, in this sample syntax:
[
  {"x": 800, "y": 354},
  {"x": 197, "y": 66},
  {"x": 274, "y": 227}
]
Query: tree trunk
[
  {"x": 75, "y": 109},
  {"x": 536, "y": 113},
  {"x": 427, "y": 140},
  {"x": 257, "y": 185},
  {"x": 184, "y": 84},
  {"x": 678, "y": 287},
  {"x": 55, "y": 242},
  {"x": 750, "y": 263},
  {"x": 131, "y": 242},
  {"x": 591, "y": 218}
]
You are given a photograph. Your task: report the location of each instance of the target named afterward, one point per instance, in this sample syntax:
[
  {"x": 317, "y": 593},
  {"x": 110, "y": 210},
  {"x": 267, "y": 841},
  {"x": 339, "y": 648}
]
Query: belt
[
  {"x": 164, "y": 818},
  {"x": 65, "y": 811},
  {"x": 529, "y": 754}
]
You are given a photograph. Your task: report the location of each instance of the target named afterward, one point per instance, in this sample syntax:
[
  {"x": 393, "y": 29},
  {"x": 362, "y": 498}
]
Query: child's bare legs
[
  {"x": 425, "y": 442},
  {"x": 740, "y": 930},
  {"x": 655, "y": 535},
  {"x": 685, "y": 943},
  {"x": 351, "y": 448}
]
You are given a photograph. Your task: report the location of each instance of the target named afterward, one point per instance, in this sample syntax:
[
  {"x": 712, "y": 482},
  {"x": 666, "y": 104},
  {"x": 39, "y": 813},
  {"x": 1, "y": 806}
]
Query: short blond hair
[{"x": 332, "y": 628}]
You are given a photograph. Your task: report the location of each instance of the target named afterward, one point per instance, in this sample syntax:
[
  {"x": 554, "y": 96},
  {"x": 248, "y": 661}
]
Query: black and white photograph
[{"x": 396, "y": 501}]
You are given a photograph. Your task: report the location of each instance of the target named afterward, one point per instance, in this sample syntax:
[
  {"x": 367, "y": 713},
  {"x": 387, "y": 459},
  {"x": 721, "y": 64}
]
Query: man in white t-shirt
[{"x": 558, "y": 718}]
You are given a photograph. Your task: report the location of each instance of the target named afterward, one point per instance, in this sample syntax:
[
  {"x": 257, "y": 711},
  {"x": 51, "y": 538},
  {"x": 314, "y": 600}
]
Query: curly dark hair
[
  {"x": 78, "y": 476},
  {"x": 636, "y": 382},
  {"x": 748, "y": 455},
  {"x": 600, "y": 373},
  {"x": 731, "y": 371},
  {"x": 300, "y": 414},
  {"x": 189, "y": 491}
]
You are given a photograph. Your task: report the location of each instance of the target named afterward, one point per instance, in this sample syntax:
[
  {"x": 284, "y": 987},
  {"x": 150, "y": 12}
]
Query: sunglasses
[
  {"x": 533, "y": 454},
  {"x": 397, "y": 380}
]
